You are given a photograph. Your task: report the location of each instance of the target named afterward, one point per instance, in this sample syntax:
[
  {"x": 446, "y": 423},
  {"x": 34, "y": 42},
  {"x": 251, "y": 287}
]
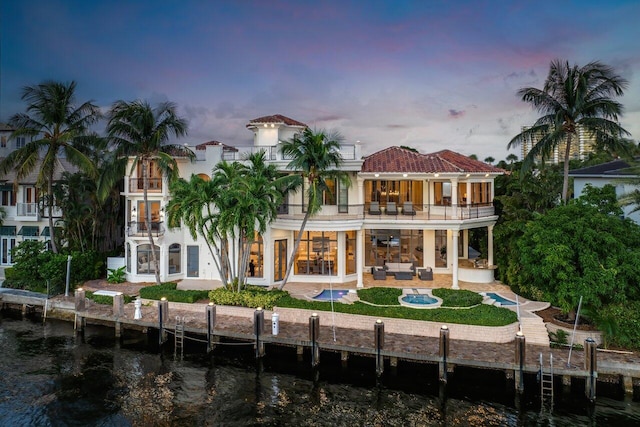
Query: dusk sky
[{"x": 426, "y": 74}]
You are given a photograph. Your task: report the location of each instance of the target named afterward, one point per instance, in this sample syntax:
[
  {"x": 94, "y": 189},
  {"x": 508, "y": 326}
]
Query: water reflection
[{"x": 51, "y": 377}]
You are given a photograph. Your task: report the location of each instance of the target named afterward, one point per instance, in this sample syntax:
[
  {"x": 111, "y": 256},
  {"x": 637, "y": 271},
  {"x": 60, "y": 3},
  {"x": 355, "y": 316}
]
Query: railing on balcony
[
  {"x": 27, "y": 209},
  {"x": 136, "y": 185},
  {"x": 421, "y": 212},
  {"x": 139, "y": 229}
]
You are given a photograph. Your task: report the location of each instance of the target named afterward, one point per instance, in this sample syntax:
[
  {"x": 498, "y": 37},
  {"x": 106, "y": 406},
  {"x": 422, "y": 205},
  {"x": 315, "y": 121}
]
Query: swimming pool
[
  {"x": 328, "y": 295},
  {"x": 420, "y": 301},
  {"x": 500, "y": 299}
]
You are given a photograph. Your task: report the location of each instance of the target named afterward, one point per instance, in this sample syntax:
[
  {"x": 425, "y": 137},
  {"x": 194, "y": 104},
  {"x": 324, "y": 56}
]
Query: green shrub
[
  {"x": 482, "y": 314},
  {"x": 620, "y": 324},
  {"x": 457, "y": 297},
  {"x": 251, "y": 296},
  {"x": 380, "y": 296},
  {"x": 105, "y": 299},
  {"x": 560, "y": 336},
  {"x": 116, "y": 275},
  {"x": 169, "y": 291}
]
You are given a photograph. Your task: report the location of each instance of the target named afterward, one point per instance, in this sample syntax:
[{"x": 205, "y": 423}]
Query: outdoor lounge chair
[
  {"x": 374, "y": 208},
  {"x": 407, "y": 209},
  {"x": 425, "y": 273},
  {"x": 391, "y": 208},
  {"x": 379, "y": 273}
]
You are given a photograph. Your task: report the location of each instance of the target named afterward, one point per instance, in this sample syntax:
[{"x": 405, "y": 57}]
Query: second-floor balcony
[
  {"x": 136, "y": 185},
  {"x": 389, "y": 211},
  {"x": 139, "y": 229}
]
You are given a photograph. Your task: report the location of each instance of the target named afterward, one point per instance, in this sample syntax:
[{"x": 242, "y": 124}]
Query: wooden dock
[{"x": 210, "y": 324}]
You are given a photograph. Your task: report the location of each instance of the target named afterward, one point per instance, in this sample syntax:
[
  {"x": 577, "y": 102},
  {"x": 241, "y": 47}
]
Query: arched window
[
  {"x": 145, "y": 259},
  {"x": 175, "y": 258}
]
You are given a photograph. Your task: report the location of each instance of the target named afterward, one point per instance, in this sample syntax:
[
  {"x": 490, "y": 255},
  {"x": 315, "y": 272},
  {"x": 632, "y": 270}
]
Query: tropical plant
[
  {"x": 573, "y": 98},
  {"x": 315, "y": 158},
  {"x": 581, "y": 249},
  {"x": 489, "y": 160},
  {"x": 116, "y": 275},
  {"x": 238, "y": 203},
  {"x": 55, "y": 124},
  {"x": 142, "y": 133}
]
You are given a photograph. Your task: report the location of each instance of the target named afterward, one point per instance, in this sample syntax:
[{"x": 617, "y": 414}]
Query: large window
[
  {"x": 481, "y": 192},
  {"x": 317, "y": 253},
  {"x": 442, "y": 193},
  {"x": 350, "y": 252},
  {"x": 441, "y": 248},
  {"x": 384, "y": 191},
  {"x": 175, "y": 258},
  {"x": 145, "y": 259},
  {"x": 128, "y": 257},
  {"x": 384, "y": 246},
  {"x": 257, "y": 257}
]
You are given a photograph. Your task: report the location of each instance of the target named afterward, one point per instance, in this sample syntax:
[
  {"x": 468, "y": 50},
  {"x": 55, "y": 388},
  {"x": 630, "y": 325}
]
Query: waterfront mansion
[{"x": 402, "y": 208}]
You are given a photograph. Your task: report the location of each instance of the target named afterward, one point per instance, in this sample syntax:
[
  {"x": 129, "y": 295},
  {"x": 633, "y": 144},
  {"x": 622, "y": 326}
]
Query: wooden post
[
  {"x": 520, "y": 361},
  {"x": 314, "y": 334},
  {"x": 258, "y": 329},
  {"x": 211, "y": 324},
  {"x": 80, "y": 299},
  {"x": 591, "y": 366},
  {"x": 163, "y": 316},
  {"x": 444, "y": 353},
  {"x": 378, "y": 329},
  {"x": 118, "y": 305}
]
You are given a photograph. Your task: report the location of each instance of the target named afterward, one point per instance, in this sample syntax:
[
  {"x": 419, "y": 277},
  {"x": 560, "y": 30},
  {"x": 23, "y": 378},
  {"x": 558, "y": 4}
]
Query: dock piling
[
  {"x": 211, "y": 324},
  {"x": 118, "y": 305},
  {"x": 520, "y": 361},
  {"x": 163, "y": 316},
  {"x": 314, "y": 334},
  {"x": 80, "y": 295},
  {"x": 258, "y": 329},
  {"x": 591, "y": 366},
  {"x": 444, "y": 353},
  {"x": 378, "y": 329}
]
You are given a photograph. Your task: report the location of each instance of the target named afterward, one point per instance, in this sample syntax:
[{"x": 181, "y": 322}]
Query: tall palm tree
[
  {"x": 55, "y": 122},
  {"x": 142, "y": 133},
  {"x": 573, "y": 97},
  {"x": 315, "y": 158},
  {"x": 239, "y": 201}
]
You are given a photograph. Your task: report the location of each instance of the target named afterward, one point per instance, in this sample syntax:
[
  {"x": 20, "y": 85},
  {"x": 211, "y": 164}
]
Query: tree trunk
[
  {"x": 565, "y": 179},
  {"x": 295, "y": 249},
  {"x": 147, "y": 216},
  {"x": 52, "y": 235}
]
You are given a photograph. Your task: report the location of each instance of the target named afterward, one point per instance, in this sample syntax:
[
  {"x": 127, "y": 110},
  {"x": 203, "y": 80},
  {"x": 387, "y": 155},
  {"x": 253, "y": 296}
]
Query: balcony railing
[
  {"x": 422, "y": 212},
  {"x": 27, "y": 209},
  {"x": 136, "y": 185},
  {"x": 139, "y": 229}
]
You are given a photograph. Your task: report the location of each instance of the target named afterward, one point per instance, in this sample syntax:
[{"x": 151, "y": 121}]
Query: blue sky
[{"x": 427, "y": 74}]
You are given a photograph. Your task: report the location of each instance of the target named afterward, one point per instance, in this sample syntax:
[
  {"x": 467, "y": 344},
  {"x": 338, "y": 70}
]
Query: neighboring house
[
  {"x": 25, "y": 217},
  {"x": 617, "y": 173},
  {"x": 401, "y": 207}
]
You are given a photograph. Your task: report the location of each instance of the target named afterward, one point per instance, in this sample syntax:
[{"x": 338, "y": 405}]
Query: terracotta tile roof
[
  {"x": 6, "y": 127},
  {"x": 401, "y": 160},
  {"x": 225, "y": 147},
  {"x": 276, "y": 118}
]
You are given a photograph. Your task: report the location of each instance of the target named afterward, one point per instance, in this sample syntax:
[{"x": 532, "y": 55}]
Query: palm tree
[
  {"x": 573, "y": 97},
  {"x": 315, "y": 158},
  {"x": 489, "y": 160},
  {"x": 142, "y": 132},
  {"x": 239, "y": 201},
  {"x": 56, "y": 123},
  {"x": 512, "y": 158}
]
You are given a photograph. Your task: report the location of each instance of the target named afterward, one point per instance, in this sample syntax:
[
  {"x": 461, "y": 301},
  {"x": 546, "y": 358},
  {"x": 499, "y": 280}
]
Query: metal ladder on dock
[
  {"x": 179, "y": 340},
  {"x": 546, "y": 381}
]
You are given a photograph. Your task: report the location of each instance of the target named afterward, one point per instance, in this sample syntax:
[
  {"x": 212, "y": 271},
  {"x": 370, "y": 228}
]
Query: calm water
[{"x": 50, "y": 377}]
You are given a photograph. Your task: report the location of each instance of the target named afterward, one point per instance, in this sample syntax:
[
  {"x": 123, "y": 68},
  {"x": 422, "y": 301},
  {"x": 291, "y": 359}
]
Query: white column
[
  {"x": 359, "y": 257},
  {"x": 490, "y": 245},
  {"x": 468, "y": 193},
  {"x": 454, "y": 198},
  {"x": 453, "y": 253}
]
